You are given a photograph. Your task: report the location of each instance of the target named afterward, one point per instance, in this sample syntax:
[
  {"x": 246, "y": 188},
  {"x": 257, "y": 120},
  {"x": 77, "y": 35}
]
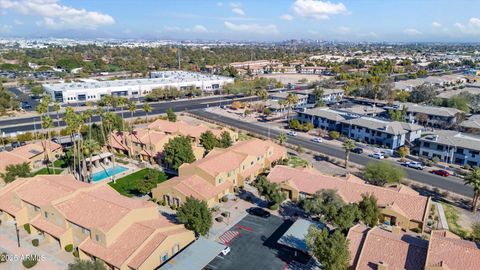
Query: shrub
[
  {"x": 27, "y": 228},
  {"x": 273, "y": 206},
  {"x": 75, "y": 253},
  {"x": 334, "y": 135},
  {"x": 69, "y": 248},
  {"x": 219, "y": 219},
  {"x": 224, "y": 199},
  {"x": 35, "y": 242},
  {"x": 435, "y": 160},
  {"x": 30, "y": 261},
  {"x": 416, "y": 230},
  {"x": 226, "y": 214},
  {"x": 173, "y": 207}
]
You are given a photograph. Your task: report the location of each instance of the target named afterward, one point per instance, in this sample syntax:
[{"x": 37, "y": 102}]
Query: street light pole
[{"x": 18, "y": 233}]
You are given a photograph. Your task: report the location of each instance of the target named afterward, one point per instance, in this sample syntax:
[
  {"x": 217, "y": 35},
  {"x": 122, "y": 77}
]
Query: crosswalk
[{"x": 228, "y": 236}]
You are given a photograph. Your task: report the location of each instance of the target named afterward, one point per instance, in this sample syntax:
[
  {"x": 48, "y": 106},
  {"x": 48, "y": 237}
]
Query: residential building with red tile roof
[
  {"x": 376, "y": 248},
  {"x": 447, "y": 251},
  {"x": 31, "y": 153},
  {"x": 400, "y": 206},
  {"x": 100, "y": 223},
  {"x": 221, "y": 170},
  {"x": 147, "y": 143}
]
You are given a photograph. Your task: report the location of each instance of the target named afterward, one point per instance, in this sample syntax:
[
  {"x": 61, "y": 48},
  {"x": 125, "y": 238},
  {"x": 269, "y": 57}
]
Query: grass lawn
[
  {"x": 452, "y": 219},
  {"x": 59, "y": 163},
  {"x": 45, "y": 171},
  {"x": 127, "y": 185},
  {"x": 295, "y": 161}
]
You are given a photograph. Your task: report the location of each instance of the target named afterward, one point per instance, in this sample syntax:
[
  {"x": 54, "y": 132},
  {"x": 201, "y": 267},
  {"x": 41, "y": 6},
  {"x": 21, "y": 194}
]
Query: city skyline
[{"x": 347, "y": 20}]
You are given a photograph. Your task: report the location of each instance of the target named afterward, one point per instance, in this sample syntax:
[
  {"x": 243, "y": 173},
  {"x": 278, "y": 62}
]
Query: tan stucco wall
[{"x": 153, "y": 261}]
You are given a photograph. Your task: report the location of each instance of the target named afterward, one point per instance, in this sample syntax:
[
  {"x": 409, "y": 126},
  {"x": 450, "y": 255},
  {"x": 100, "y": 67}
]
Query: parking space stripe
[{"x": 228, "y": 236}]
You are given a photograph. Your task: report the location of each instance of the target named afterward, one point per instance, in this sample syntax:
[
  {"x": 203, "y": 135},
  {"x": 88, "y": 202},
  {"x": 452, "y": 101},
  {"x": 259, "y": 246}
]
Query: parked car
[
  {"x": 441, "y": 173},
  {"x": 317, "y": 140},
  {"x": 15, "y": 144},
  {"x": 292, "y": 133},
  {"x": 415, "y": 165},
  {"x": 357, "y": 150},
  {"x": 259, "y": 212},
  {"x": 377, "y": 156},
  {"x": 226, "y": 250}
]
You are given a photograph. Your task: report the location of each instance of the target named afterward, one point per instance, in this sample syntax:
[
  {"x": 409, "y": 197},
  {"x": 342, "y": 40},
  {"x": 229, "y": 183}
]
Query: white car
[
  {"x": 415, "y": 165},
  {"x": 317, "y": 140},
  {"x": 292, "y": 133},
  {"x": 377, "y": 156},
  {"x": 225, "y": 251}
]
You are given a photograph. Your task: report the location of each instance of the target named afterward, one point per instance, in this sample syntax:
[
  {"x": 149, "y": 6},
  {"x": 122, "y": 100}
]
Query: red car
[{"x": 441, "y": 173}]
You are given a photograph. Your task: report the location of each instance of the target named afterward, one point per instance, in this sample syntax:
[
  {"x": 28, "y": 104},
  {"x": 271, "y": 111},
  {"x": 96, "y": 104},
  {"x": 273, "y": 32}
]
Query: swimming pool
[{"x": 98, "y": 176}]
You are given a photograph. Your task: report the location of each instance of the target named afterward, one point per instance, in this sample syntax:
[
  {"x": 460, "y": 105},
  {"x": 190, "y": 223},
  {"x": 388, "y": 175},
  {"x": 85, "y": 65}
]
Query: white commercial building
[{"x": 93, "y": 90}]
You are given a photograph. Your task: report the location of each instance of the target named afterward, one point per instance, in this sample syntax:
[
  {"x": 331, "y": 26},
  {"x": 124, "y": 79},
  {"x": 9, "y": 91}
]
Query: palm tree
[
  {"x": 91, "y": 147},
  {"x": 47, "y": 123},
  {"x": 147, "y": 108},
  {"x": 292, "y": 99},
  {"x": 348, "y": 145},
  {"x": 56, "y": 108},
  {"x": 473, "y": 179},
  {"x": 282, "y": 138},
  {"x": 132, "y": 108}
]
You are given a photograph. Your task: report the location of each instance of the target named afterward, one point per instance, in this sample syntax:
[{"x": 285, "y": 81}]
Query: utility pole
[{"x": 178, "y": 56}]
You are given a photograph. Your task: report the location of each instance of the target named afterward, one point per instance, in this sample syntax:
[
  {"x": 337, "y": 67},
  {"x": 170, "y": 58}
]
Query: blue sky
[{"x": 347, "y": 20}]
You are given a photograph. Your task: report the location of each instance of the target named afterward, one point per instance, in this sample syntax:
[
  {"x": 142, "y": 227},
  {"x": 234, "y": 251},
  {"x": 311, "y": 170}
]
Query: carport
[
  {"x": 294, "y": 237},
  {"x": 196, "y": 256}
]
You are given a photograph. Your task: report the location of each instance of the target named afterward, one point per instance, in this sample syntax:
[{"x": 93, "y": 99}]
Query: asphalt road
[
  {"x": 451, "y": 184},
  {"x": 33, "y": 123}
]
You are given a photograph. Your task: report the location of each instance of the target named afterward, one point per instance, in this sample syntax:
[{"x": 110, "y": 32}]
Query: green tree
[
  {"x": 292, "y": 100},
  {"x": 16, "y": 170},
  {"x": 178, "y": 151},
  {"x": 195, "y": 215},
  {"x": 171, "y": 116},
  {"x": 56, "y": 109},
  {"x": 148, "y": 109},
  {"x": 208, "y": 140},
  {"x": 347, "y": 216},
  {"x": 271, "y": 191},
  {"x": 381, "y": 172},
  {"x": 330, "y": 250},
  {"x": 282, "y": 138},
  {"x": 37, "y": 90},
  {"x": 225, "y": 139},
  {"x": 473, "y": 179},
  {"x": 318, "y": 93},
  {"x": 370, "y": 213},
  {"x": 334, "y": 135},
  {"x": 422, "y": 93},
  {"x": 476, "y": 231},
  {"x": 403, "y": 152},
  {"x": 86, "y": 265},
  {"x": 326, "y": 202},
  {"x": 348, "y": 146},
  {"x": 148, "y": 182},
  {"x": 267, "y": 112},
  {"x": 295, "y": 124}
]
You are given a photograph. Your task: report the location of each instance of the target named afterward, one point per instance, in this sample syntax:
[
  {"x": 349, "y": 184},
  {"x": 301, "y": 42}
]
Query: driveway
[{"x": 253, "y": 243}]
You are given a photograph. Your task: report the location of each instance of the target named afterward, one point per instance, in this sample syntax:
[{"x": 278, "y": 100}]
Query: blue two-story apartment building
[{"x": 388, "y": 134}]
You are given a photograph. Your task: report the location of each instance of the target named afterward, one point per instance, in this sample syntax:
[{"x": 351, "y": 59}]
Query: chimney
[
  {"x": 382, "y": 266},
  {"x": 396, "y": 230}
]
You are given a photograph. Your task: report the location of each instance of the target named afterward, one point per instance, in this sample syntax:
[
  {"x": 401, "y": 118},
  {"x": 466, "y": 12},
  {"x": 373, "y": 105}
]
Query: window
[
  {"x": 175, "y": 248},
  {"x": 85, "y": 231},
  {"x": 439, "y": 147},
  {"x": 251, "y": 163},
  {"x": 426, "y": 144},
  {"x": 46, "y": 215},
  {"x": 97, "y": 238}
]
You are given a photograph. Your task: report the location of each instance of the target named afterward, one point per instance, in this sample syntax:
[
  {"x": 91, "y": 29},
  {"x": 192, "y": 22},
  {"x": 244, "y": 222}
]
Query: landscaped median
[{"x": 132, "y": 184}]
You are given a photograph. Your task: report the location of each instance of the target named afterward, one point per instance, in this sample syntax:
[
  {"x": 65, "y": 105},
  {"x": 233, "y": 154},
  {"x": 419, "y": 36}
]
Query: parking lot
[{"x": 255, "y": 245}]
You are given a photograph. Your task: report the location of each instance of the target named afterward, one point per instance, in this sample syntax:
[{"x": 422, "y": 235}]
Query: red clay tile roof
[
  {"x": 195, "y": 186},
  {"x": 101, "y": 208},
  {"x": 396, "y": 250},
  {"x": 356, "y": 236},
  {"x": 451, "y": 252},
  {"x": 310, "y": 181},
  {"x": 7, "y": 198},
  {"x": 44, "y": 225},
  {"x": 220, "y": 160},
  {"x": 43, "y": 189},
  {"x": 9, "y": 158}
]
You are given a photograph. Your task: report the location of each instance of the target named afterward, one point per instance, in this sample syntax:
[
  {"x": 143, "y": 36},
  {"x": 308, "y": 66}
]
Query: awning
[{"x": 196, "y": 256}]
